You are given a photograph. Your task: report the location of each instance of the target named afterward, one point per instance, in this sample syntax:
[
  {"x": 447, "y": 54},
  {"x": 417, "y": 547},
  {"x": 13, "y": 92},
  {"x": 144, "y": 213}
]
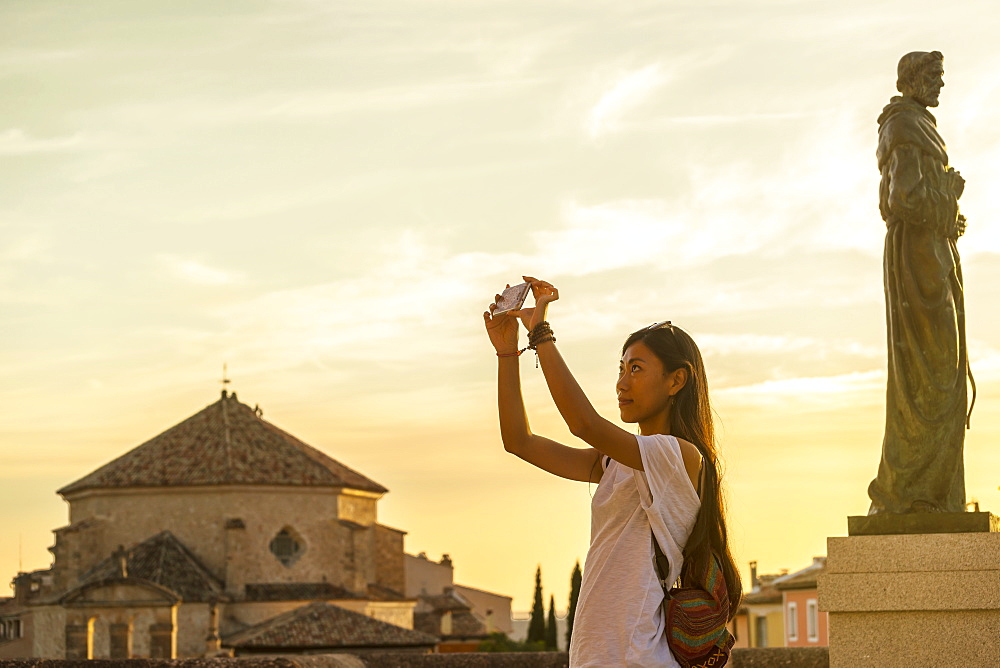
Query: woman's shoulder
[
  {"x": 692, "y": 459},
  {"x": 688, "y": 451}
]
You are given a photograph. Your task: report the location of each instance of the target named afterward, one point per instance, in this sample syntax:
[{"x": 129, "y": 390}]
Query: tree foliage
[
  {"x": 575, "y": 580},
  {"x": 551, "y": 631},
  {"x": 536, "y": 627}
]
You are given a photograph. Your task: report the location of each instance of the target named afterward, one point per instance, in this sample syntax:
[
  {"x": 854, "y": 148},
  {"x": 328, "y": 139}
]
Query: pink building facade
[{"x": 805, "y": 624}]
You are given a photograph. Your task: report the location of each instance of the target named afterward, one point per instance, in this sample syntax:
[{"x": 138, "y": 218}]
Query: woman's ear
[{"x": 677, "y": 379}]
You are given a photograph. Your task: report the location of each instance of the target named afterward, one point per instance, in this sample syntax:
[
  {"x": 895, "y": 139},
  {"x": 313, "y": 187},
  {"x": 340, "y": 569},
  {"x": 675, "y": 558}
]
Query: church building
[{"x": 222, "y": 535}]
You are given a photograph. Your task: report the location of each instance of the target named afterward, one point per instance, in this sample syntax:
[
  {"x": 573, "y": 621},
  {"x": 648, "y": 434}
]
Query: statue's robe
[{"x": 921, "y": 467}]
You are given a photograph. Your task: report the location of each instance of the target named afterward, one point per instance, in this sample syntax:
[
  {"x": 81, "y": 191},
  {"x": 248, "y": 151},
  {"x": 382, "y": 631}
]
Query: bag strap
[{"x": 662, "y": 566}]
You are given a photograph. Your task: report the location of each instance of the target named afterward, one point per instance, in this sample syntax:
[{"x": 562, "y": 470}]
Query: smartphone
[{"x": 512, "y": 298}]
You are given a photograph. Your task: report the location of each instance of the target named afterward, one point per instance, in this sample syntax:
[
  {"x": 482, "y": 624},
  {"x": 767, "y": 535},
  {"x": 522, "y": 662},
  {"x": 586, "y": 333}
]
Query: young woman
[{"x": 651, "y": 483}]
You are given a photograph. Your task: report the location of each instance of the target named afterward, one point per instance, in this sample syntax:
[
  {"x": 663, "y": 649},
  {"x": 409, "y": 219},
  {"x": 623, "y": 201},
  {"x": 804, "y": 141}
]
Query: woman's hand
[
  {"x": 502, "y": 329},
  {"x": 545, "y": 293}
]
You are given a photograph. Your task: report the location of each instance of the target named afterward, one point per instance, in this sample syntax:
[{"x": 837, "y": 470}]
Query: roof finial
[
  {"x": 225, "y": 380},
  {"x": 120, "y": 557}
]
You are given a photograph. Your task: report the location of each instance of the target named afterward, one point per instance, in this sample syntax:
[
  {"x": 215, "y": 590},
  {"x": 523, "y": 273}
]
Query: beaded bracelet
[
  {"x": 539, "y": 334},
  {"x": 548, "y": 339}
]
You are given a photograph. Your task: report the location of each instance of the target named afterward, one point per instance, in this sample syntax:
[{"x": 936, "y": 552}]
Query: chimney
[{"x": 754, "y": 582}]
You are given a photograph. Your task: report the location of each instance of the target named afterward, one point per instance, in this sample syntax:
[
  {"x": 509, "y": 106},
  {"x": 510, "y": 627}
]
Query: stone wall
[
  {"x": 424, "y": 576},
  {"x": 357, "y": 506},
  {"x": 198, "y": 518},
  {"x": 357, "y": 561},
  {"x": 777, "y": 657},
  {"x": 389, "y": 569},
  {"x": 193, "y": 622},
  {"x": 398, "y": 613},
  {"x": 493, "y": 608}
]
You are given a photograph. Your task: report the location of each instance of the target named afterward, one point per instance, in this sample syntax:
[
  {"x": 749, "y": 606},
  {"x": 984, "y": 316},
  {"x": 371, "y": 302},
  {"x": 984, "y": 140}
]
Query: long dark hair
[{"x": 691, "y": 419}]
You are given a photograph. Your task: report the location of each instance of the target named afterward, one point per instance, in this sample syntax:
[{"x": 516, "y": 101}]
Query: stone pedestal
[
  {"x": 913, "y": 600},
  {"x": 888, "y": 523}
]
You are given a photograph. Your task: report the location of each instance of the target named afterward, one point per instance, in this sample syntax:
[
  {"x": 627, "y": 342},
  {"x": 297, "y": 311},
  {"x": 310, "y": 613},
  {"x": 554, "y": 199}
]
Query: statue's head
[{"x": 920, "y": 75}]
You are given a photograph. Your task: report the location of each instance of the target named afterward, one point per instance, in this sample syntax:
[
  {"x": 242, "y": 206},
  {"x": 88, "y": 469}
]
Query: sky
[{"x": 324, "y": 196}]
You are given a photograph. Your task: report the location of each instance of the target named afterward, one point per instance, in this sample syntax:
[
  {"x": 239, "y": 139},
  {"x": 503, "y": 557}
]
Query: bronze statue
[{"x": 922, "y": 469}]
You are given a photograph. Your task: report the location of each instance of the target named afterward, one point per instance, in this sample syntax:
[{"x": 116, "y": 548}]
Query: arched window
[{"x": 287, "y": 546}]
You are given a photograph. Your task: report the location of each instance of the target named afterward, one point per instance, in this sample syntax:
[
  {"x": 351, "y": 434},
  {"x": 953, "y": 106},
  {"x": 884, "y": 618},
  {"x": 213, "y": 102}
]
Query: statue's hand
[
  {"x": 957, "y": 182},
  {"x": 960, "y": 226}
]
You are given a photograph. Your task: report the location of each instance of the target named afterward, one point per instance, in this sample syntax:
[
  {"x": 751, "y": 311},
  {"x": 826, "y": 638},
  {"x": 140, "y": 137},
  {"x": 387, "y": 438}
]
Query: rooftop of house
[
  {"x": 765, "y": 591},
  {"x": 449, "y": 601},
  {"x": 326, "y": 626},
  {"x": 298, "y": 591},
  {"x": 802, "y": 579},
  {"x": 431, "y": 609},
  {"x": 225, "y": 443}
]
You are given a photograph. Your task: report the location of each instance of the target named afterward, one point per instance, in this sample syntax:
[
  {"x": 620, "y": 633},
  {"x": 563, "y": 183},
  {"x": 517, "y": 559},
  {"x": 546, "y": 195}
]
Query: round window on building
[{"x": 287, "y": 546}]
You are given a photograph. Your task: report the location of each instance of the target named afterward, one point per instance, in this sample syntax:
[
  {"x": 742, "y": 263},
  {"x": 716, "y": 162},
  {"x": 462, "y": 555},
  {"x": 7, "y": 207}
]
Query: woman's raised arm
[
  {"x": 581, "y": 464},
  {"x": 574, "y": 406}
]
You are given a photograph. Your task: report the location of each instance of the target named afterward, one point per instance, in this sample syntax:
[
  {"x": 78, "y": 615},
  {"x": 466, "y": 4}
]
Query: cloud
[
  {"x": 609, "y": 235},
  {"x": 723, "y": 344},
  {"x": 304, "y": 105},
  {"x": 391, "y": 98},
  {"x": 627, "y": 92},
  {"x": 827, "y": 392},
  {"x": 27, "y": 249},
  {"x": 192, "y": 271},
  {"x": 32, "y": 57},
  {"x": 15, "y": 141},
  {"x": 729, "y": 119}
]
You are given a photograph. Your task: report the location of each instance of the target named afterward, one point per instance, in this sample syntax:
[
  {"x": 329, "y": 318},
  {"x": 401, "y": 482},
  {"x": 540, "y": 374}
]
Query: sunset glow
[{"x": 326, "y": 195}]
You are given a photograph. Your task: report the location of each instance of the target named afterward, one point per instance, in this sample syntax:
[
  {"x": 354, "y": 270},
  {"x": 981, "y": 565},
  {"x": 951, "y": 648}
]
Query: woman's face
[{"x": 644, "y": 387}]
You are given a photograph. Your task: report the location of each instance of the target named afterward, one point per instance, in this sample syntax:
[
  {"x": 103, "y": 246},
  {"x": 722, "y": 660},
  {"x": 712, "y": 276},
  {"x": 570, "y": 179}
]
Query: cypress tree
[
  {"x": 575, "y": 581},
  {"x": 551, "y": 633},
  {"x": 536, "y": 627}
]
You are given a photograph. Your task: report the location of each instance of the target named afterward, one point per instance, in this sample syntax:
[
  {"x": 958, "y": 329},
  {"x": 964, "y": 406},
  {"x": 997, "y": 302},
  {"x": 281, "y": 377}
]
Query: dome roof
[{"x": 226, "y": 443}]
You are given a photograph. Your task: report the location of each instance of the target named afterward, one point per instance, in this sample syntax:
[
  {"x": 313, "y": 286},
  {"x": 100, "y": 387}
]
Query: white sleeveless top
[{"x": 619, "y": 618}]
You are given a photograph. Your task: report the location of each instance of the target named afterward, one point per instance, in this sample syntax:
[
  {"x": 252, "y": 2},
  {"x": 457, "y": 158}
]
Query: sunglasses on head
[
  {"x": 663, "y": 324},
  {"x": 657, "y": 325}
]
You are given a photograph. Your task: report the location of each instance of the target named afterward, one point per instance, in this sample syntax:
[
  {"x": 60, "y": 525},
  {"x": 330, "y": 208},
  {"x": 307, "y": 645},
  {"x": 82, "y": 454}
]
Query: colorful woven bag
[{"x": 696, "y": 617}]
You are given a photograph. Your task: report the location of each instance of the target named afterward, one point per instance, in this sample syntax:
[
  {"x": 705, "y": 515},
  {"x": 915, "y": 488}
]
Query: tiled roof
[
  {"x": 443, "y": 602},
  {"x": 765, "y": 592},
  {"x": 463, "y": 625},
  {"x": 326, "y": 626},
  {"x": 298, "y": 591},
  {"x": 803, "y": 579},
  {"x": 466, "y": 624},
  {"x": 377, "y": 592},
  {"x": 163, "y": 560},
  {"x": 226, "y": 443},
  {"x": 431, "y": 609}
]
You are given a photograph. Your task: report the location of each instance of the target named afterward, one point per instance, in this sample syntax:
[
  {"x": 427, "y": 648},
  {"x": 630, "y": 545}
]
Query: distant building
[
  {"x": 805, "y": 624},
  {"x": 783, "y": 610},
  {"x": 449, "y": 617},
  {"x": 425, "y": 577},
  {"x": 759, "y": 622},
  {"x": 222, "y": 535}
]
